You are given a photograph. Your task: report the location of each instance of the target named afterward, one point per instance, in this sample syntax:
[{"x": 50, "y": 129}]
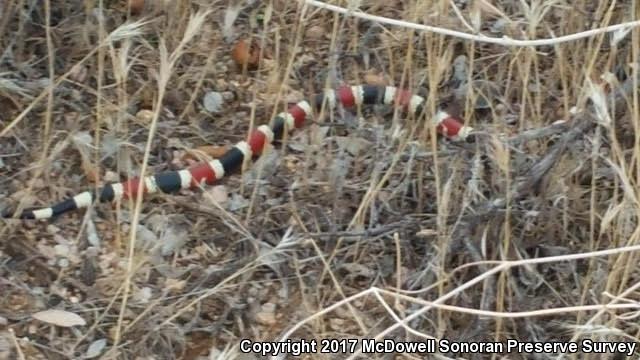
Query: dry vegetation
[{"x": 369, "y": 207}]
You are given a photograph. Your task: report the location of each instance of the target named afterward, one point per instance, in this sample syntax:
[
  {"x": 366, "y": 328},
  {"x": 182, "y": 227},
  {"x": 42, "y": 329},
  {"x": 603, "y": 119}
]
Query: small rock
[
  {"x": 143, "y": 295},
  {"x": 78, "y": 74},
  {"x": 145, "y": 115},
  {"x": 63, "y": 263},
  {"x": 213, "y": 101},
  {"x": 52, "y": 229},
  {"x": 228, "y": 95},
  {"x": 267, "y": 314},
  {"x": 221, "y": 68},
  {"x": 92, "y": 234},
  {"x": 62, "y": 250},
  {"x": 498, "y": 26},
  {"x": 460, "y": 69}
]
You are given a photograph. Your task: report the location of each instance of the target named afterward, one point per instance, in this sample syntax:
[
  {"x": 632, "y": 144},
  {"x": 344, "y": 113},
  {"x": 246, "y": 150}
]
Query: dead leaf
[
  {"x": 136, "y": 6},
  {"x": 489, "y": 8},
  {"x": 201, "y": 152},
  {"x": 146, "y": 239},
  {"x": 172, "y": 232},
  {"x": 354, "y": 269},
  {"x": 353, "y": 145},
  {"x": 147, "y": 97},
  {"x": 197, "y": 346},
  {"x": 238, "y": 202},
  {"x": 83, "y": 143},
  {"x": 267, "y": 314},
  {"x": 91, "y": 172},
  {"x": 218, "y": 193},
  {"x": 95, "y": 349},
  {"x": 59, "y": 318},
  {"x": 246, "y": 54},
  {"x": 174, "y": 286},
  {"x": 316, "y": 32},
  {"x": 375, "y": 79}
]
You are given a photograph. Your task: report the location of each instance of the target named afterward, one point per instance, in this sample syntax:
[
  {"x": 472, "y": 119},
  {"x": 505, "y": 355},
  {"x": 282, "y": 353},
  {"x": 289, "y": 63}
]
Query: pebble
[
  {"x": 143, "y": 295},
  {"x": 213, "y": 101},
  {"x": 460, "y": 69},
  {"x": 145, "y": 115},
  {"x": 228, "y": 95},
  {"x": 52, "y": 229},
  {"x": 498, "y": 26},
  {"x": 61, "y": 250},
  {"x": 267, "y": 314},
  {"x": 63, "y": 263}
]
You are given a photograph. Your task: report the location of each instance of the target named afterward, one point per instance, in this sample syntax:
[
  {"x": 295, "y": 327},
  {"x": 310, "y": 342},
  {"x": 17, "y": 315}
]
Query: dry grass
[{"x": 364, "y": 225}]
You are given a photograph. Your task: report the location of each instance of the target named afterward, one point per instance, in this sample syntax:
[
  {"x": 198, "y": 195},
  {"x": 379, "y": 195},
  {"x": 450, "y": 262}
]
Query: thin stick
[{"x": 504, "y": 41}]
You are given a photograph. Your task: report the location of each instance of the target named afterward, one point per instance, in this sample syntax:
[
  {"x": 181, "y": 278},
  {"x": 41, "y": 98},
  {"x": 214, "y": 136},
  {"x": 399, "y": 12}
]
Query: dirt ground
[{"x": 366, "y": 224}]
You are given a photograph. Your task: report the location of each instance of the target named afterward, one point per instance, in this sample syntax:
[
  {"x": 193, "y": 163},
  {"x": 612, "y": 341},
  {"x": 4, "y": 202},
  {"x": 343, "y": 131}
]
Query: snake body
[{"x": 213, "y": 171}]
